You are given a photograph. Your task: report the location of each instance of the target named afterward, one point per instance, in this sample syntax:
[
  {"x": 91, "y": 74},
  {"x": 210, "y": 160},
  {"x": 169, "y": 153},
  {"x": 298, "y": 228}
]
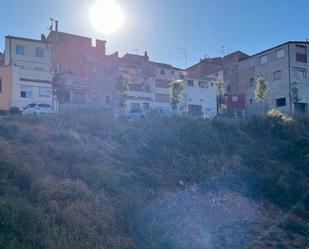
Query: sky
[{"x": 164, "y": 27}]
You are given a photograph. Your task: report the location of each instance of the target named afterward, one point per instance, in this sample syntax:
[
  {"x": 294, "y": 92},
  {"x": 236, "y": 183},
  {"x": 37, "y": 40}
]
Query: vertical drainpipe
[
  {"x": 12, "y": 70},
  {"x": 290, "y": 94}
]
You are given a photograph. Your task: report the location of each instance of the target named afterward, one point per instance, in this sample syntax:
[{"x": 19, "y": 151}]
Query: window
[
  {"x": 44, "y": 91},
  {"x": 135, "y": 107},
  {"x": 162, "y": 71},
  {"x": 264, "y": 59},
  {"x": 190, "y": 83},
  {"x": 229, "y": 88},
  {"x": 172, "y": 72},
  {"x": 66, "y": 97},
  {"x": 0, "y": 85},
  {"x": 79, "y": 97},
  {"x": 162, "y": 98},
  {"x": 202, "y": 84},
  {"x": 301, "y": 54},
  {"x": 251, "y": 101},
  {"x": 44, "y": 105},
  {"x": 300, "y": 73},
  {"x": 20, "y": 50},
  {"x": 281, "y": 102},
  {"x": 146, "y": 106},
  {"x": 26, "y": 92},
  {"x": 162, "y": 83},
  {"x": 251, "y": 82},
  {"x": 234, "y": 98},
  {"x": 277, "y": 75},
  {"x": 39, "y": 52},
  {"x": 280, "y": 53}
]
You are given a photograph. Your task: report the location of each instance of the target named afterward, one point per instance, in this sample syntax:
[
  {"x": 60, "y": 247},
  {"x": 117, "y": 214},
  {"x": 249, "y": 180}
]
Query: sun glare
[{"x": 106, "y": 16}]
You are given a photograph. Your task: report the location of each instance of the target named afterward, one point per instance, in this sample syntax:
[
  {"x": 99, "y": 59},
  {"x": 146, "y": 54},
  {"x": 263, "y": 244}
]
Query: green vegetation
[
  {"x": 78, "y": 181},
  {"x": 176, "y": 93},
  {"x": 261, "y": 89}
]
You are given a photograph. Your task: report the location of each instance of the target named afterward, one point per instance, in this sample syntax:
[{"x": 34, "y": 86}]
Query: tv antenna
[
  {"x": 223, "y": 50},
  {"x": 184, "y": 51}
]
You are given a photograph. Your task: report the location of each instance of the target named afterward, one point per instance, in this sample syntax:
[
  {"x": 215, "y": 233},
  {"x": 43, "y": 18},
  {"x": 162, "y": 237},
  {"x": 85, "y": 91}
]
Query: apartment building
[
  {"x": 148, "y": 83},
  {"x": 227, "y": 66},
  {"x": 84, "y": 70},
  {"x": 164, "y": 74},
  {"x": 136, "y": 72},
  {"x": 285, "y": 68},
  {"x": 225, "y": 69},
  {"x": 26, "y": 75}
]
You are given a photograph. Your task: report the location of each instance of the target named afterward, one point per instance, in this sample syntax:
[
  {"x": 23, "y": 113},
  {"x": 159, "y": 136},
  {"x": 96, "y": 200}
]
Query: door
[
  {"x": 195, "y": 110},
  {"x": 301, "y": 108}
]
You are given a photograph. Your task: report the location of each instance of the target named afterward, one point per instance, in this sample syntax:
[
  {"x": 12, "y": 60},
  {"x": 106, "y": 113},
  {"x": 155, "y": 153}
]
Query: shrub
[
  {"x": 276, "y": 114},
  {"x": 14, "y": 110},
  {"x": 3, "y": 112}
]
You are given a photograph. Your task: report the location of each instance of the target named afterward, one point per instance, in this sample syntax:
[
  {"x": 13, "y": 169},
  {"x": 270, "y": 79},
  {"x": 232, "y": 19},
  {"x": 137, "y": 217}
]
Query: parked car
[{"x": 38, "y": 109}]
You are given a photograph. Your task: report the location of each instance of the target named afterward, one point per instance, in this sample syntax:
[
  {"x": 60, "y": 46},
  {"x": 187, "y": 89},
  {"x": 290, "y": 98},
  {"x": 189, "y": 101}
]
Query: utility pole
[{"x": 184, "y": 51}]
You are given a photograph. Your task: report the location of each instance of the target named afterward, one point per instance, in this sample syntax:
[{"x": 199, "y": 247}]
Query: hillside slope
[{"x": 95, "y": 182}]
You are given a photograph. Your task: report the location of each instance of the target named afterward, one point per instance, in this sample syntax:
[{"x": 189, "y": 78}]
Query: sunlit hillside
[{"x": 92, "y": 181}]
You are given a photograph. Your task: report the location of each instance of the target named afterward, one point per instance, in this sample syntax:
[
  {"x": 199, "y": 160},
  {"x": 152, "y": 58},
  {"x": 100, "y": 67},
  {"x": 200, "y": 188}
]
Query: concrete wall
[{"x": 6, "y": 93}]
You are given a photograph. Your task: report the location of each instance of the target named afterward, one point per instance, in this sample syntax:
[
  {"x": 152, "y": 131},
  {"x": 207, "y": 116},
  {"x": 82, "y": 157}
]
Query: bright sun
[{"x": 106, "y": 16}]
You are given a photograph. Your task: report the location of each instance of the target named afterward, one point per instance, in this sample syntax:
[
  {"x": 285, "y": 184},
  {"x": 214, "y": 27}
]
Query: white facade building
[
  {"x": 200, "y": 96},
  {"x": 31, "y": 79}
]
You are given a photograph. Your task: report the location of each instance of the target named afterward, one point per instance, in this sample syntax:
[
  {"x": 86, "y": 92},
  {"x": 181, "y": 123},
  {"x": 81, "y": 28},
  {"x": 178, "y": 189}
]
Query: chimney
[
  {"x": 57, "y": 24},
  {"x": 146, "y": 56},
  {"x": 101, "y": 47},
  {"x": 43, "y": 37},
  {"x": 57, "y": 27}
]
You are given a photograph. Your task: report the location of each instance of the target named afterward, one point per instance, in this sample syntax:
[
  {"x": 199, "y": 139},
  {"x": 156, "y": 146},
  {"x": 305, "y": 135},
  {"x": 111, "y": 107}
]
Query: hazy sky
[{"x": 162, "y": 27}]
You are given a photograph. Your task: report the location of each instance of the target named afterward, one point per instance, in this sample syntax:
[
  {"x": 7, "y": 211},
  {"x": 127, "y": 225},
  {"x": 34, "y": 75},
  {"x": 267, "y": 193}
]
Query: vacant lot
[{"x": 90, "y": 181}]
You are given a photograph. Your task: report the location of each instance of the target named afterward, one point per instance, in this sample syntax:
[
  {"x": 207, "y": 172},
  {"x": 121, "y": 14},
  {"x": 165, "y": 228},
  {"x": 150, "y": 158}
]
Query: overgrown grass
[{"x": 77, "y": 181}]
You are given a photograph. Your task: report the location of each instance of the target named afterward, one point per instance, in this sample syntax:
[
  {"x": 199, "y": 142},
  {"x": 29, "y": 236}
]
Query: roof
[
  {"x": 194, "y": 77},
  {"x": 69, "y": 34},
  {"x": 26, "y": 39},
  {"x": 166, "y": 66},
  {"x": 278, "y": 46},
  {"x": 218, "y": 60}
]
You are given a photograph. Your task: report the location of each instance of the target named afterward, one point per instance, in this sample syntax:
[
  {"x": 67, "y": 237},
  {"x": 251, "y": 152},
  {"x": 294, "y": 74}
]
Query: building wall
[
  {"x": 29, "y": 51},
  {"x": 227, "y": 65},
  {"x": 26, "y": 78},
  {"x": 6, "y": 91},
  {"x": 251, "y": 68},
  {"x": 30, "y": 72},
  {"x": 73, "y": 53},
  {"x": 205, "y": 97}
]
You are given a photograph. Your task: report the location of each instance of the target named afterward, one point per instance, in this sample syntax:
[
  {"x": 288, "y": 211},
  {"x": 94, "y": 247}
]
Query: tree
[
  {"x": 58, "y": 88},
  {"x": 176, "y": 93},
  {"x": 221, "y": 87},
  {"x": 261, "y": 89},
  {"x": 294, "y": 94},
  {"x": 122, "y": 91}
]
